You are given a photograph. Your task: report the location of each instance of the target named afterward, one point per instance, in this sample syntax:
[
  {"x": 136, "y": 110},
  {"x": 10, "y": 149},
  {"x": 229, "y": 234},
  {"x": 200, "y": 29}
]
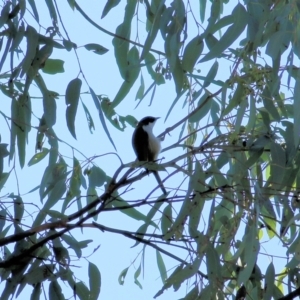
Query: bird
[{"x": 146, "y": 145}]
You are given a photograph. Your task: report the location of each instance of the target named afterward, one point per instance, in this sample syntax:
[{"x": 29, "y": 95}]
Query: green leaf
[
  {"x": 53, "y": 66},
  {"x": 131, "y": 74},
  {"x": 32, "y": 44},
  {"x": 150, "y": 61},
  {"x": 166, "y": 21},
  {"x": 39, "y": 274},
  {"x": 72, "y": 99},
  {"x": 278, "y": 43},
  {"x": 38, "y": 157},
  {"x": 73, "y": 244},
  {"x": 52, "y": 11},
  {"x": 197, "y": 204},
  {"x": 166, "y": 219},
  {"x": 2, "y": 219},
  {"x": 224, "y": 22},
  {"x": 94, "y": 281},
  {"x": 240, "y": 114},
  {"x": 153, "y": 30},
  {"x": 84, "y": 244},
  {"x": 211, "y": 74},
  {"x": 213, "y": 266},
  {"x": 193, "y": 294},
  {"x": 34, "y": 10},
  {"x": 278, "y": 164},
  {"x": 97, "y": 177},
  {"x": 96, "y": 48},
  {"x": 202, "y": 8},
  {"x": 69, "y": 45},
  {"x": 120, "y": 41},
  {"x": 269, "y": 104},
  {"x": 72, "y": 4},
  {"x": 57, "y": 215},
  {"x": 125, "y": 208},
  {"x": 250, "y": 252},
  {"x": 110, "y": 112},
  {"x": 18, "y": 209},
  {"x": 56, "y": 194},
  {"x": 137, "y": 273},
  {"x": 49, "y": 42},
  {"x": 18, "y": 37},
  {"x": 53, "y": 174},
  {"x": 35, "y": 295},
  {"x": 108, "y": 6},
  {"x": 121, "y": 47},
  {"x": 49, "y": 105},
  {"x": 55, "y": 291},
  {"x": 172, "y": 46},
  {"x": 101, "y": 116},
  {"x": 122, "y": 276},
  {"x": 202, "y": 112},
  {"x": 5, "y": 13},
  {"x": 140, "y": 92},
  {"x": 19, "y": 122},
  {"x": 3, "y": 178},
  {"x": 88, "y": 118},
  {"x": 91, "y": 197},
  {"x": 3, "y": 153},
  {"x": 239, "y": 94},
  {"x": 252, "y": 116},
  {"x": 296, "y": 111},
  {"x": 21, "y": 142},
  {"x": 232, "y": 33},
  {"x": 5, "y": 52},
  {"x": 210, "y": 41},
  {"x": 177, "y": 278},
  {"x": 53, "y": 142},
  {"x": 191, "y": 54},
  {"x": 82, "y": 291},
  {"x": 173, "y": 279},
  {"x": 269, "y": 282},
  {"x": 75, "y": 181},
  {"x": 161, "y": 267},
  {"x": 215, "y": 12}
]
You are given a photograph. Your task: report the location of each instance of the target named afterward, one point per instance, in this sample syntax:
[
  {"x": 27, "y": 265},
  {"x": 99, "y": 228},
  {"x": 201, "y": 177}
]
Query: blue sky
[{"x": 102, "y": 74}]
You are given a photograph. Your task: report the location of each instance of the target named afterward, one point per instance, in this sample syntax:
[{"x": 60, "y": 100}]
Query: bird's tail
[{"x": 160, "y": 183}]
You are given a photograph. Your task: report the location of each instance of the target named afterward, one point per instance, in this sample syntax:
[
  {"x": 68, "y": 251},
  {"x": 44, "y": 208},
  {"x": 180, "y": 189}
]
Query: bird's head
[{"x": 147, "y": 122}]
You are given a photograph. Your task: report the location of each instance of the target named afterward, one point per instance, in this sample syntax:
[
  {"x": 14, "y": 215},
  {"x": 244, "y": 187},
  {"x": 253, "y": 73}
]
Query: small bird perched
[{"x": 146, "y": 145}]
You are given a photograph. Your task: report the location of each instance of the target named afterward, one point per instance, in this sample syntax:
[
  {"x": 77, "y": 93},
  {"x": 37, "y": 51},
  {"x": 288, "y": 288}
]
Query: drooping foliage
[{"x": 233, "y": 68}]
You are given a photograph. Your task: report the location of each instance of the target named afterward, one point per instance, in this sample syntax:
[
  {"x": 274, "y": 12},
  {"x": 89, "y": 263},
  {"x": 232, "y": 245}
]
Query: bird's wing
[{"x": 140, "y": 149}]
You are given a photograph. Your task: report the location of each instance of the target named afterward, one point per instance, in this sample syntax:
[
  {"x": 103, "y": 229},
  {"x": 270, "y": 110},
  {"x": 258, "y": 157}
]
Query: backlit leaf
[
  {"x": 192, "y": 53},
  {"x": 101, "y": 116},
  {"x": 94, "y": 281},
  {"x": 108, "y": 6},
  {"x": 38, "y": 156},
  {"x": 53, "y": 66},
  {"x": 96, "y": 48},
  {"x": 72, "y": 99},
  {"x": 231, "y": 34},
  {"x": 161, "y": 267}
]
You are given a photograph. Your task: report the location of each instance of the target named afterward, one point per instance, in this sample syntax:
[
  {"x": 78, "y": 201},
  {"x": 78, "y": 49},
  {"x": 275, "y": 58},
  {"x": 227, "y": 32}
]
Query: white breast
[{"x": 154, "y": 142}]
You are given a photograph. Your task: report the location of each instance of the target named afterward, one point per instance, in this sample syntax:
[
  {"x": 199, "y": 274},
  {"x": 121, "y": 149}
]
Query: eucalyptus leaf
[
  {"x": 72, "y": 99},
  {"x": 96, "y": 48}
]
